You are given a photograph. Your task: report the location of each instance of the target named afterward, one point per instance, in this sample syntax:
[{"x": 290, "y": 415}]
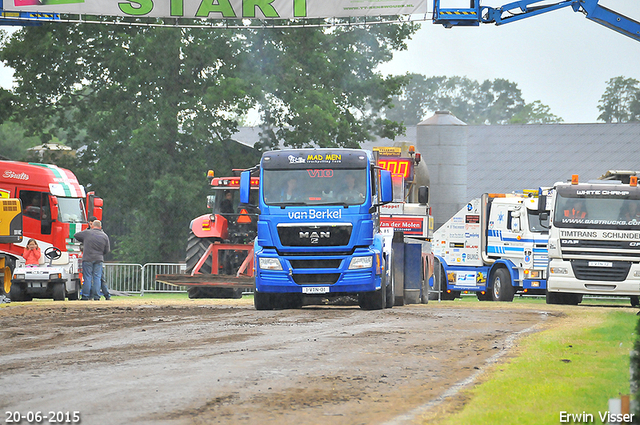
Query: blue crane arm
[{"x": 515, "y": 11}]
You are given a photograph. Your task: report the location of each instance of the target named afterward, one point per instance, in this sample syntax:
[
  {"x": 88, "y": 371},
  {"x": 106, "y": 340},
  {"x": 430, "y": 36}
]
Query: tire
[
  {"x": 196, "y": 247},
  {"x": 263, "y": 301},
  {"x": 211, "y": 292},
  {"x": 635, "y": 301},
  {"x": 483, "y": 297},
  {"x": 58, "y": 291},
  {"x": 390, "y": 288},
  {"x": 9, "y": 265},
  {"x": 562, "y": 298},
  {"x": 501, "y": 288},
  {"x": 374, "y": 300},
  {"x": 16, "y": 293}
]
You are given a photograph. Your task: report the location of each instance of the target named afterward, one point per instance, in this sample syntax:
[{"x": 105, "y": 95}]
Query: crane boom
[{"x": 476, "y": 14}]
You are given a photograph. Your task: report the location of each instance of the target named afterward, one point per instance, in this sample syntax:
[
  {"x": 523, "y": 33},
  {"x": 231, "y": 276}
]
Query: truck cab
[
  {"x": 319, "y": 227},
  {"x": 495, "y": 246},
  {"x": 54, "y": 208}
]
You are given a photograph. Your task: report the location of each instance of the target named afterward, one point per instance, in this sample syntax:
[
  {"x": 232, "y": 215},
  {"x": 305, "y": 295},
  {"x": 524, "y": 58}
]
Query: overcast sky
[{"x": 559, "y": 58}]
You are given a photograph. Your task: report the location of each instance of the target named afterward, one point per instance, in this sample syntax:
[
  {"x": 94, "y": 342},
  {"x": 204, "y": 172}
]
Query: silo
[{"x": 442, "y": 140}]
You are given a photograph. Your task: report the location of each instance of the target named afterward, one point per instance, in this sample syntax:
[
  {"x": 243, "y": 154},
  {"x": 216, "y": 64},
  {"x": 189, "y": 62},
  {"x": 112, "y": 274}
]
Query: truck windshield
[
  {"x": 315, "y": 187},
  {"x": 597, "y": 213},
  {"x": 71, "y": 210}
]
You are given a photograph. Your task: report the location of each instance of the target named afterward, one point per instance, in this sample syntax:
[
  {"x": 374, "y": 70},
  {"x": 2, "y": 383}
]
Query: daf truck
[{"x": 594, "y": 241}]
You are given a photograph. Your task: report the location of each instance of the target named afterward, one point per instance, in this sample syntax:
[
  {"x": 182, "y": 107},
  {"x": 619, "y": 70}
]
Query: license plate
[
  {"x": 600, "y": 264},
  {"x": 315, "y": 289}
]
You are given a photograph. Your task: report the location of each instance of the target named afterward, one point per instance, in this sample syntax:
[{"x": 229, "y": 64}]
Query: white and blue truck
[
  {"x": 495, "y": 246},
  {"x": 319, "y": 232}
]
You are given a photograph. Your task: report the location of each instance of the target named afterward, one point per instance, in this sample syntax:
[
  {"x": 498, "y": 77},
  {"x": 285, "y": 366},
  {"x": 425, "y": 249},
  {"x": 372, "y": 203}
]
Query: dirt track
[{"x": 207, "y": 361}]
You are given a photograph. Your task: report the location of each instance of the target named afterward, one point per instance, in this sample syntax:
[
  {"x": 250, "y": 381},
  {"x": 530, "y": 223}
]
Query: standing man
[{"x": 96, "y": 245}]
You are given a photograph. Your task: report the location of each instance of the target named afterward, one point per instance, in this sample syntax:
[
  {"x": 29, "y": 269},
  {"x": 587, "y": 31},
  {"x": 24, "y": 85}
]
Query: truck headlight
[
  {"x": 361, "y": 263},
  {"x": 18, "y": 276},
  {"x": 536, "y": 274},
  {"x": 55, "y": 276},
  {"x": 558, "y": 270},
  {"x": 267, "y": 263}
]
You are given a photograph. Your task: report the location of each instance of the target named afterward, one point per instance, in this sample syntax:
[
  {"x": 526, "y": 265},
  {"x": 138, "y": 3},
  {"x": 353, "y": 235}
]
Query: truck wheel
[
  {"x": 483, "y": 297},
  {"x": 635, "y": 301},
  {"x": 375, "y": 300},
  {"x": 501, "y": 288},
  {"x": 58, "y": 291},
  {"x": 391, "y": 292},
  {"x": 196, "y": 247},
  {"x": 263, "y": 301},
  {"x": 563, "y": 298}
]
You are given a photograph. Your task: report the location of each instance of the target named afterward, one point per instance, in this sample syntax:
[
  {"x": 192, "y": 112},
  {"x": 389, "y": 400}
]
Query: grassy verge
[{"x": 575, "y": 367}]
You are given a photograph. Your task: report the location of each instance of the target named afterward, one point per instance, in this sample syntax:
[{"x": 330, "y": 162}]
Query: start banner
[{"x": 223, "y": 9}]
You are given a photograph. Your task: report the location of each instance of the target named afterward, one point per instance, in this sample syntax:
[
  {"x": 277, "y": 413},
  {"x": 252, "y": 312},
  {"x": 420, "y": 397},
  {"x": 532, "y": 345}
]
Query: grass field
[{"x": 574, "y": 366}]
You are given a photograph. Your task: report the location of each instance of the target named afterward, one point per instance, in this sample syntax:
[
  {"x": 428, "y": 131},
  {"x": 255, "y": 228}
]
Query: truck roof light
[
  {"x": 418, "y": 158},
  {"x": 210, "y": 174},
  {"x": 633, "y": 181},
  {"x": 574, "y": 179},
  {"x": 412, "y": 150}
]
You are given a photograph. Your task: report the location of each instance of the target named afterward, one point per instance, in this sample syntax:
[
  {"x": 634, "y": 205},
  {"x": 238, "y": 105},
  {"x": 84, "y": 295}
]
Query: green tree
[
  {"x": 150, "y": 109},
  {"x": 620, "y": 101},
  {"x": 490, "y": 102},
  {"x": 320, "y": 87}
]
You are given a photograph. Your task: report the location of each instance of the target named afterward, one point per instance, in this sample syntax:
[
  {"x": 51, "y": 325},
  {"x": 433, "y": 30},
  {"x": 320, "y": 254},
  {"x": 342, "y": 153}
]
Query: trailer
[
  {"x": 409, "y": 216},
  {"x": 495, "y": 246}
]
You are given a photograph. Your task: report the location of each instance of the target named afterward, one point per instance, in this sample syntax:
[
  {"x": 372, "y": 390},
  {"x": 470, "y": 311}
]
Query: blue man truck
[{"x": 319, "y": 231}]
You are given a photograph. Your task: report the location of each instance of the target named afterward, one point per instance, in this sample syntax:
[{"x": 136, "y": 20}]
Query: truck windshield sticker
[{"x": 597, "y": 211}]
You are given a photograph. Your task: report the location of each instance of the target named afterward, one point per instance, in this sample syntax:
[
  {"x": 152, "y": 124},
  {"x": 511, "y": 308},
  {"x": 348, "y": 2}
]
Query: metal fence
[{"x": 138, "y": 278}]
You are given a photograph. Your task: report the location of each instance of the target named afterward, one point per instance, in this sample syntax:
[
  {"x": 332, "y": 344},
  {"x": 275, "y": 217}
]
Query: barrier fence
[{"x": 139, "y": 278}]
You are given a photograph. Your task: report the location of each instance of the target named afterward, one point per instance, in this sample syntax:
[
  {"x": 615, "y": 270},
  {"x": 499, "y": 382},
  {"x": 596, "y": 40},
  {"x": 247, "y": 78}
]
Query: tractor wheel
[
  {"x": 501, "y": 288},
  {"x": 196, "y": 247}
]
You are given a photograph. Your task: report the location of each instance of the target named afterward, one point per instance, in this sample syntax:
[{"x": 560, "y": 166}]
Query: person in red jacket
[{"x": 32, "y": 253}]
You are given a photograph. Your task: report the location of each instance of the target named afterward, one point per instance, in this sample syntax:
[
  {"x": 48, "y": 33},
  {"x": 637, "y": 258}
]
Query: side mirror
[
  {"x": 542, "y": 203},
  {"x": 53, "y": 205},
  {"x": 386, "y": 187},
  {"x": 245, "y": 186},
  {"x": 423, "y": 195}
]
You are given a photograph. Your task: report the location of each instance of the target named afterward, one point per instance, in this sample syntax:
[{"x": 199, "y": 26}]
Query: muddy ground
[{"x": 221, "y": 361}]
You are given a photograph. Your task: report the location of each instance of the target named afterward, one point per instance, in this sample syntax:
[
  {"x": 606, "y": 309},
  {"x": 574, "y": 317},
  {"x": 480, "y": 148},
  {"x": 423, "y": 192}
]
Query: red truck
[{"x": 54, "y": 207}]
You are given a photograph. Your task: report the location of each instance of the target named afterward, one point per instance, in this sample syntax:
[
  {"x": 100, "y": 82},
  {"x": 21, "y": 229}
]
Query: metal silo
[{"x": 442, "y": 140}]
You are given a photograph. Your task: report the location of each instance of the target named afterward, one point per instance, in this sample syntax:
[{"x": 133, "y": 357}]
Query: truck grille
[
  {"x": 316, "y": 264},
  {"x": 316, "y": 279},
  {"x": 321, "y": 235},
  {"x": 622, "y": 250},
  {"x": 617, "y": 273}
]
